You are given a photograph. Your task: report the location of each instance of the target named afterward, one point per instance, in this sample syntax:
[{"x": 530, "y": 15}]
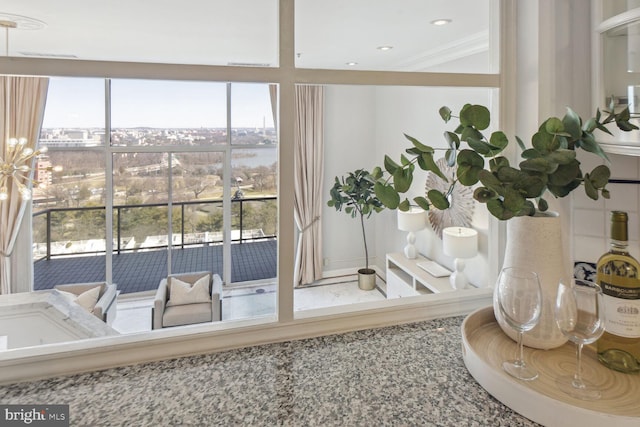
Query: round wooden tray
[{"x": 485, "y": 346}]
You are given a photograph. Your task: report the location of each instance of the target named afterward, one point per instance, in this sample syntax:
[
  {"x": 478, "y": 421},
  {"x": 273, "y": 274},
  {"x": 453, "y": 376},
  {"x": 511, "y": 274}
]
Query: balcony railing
[{"x": 145, "y": 226}]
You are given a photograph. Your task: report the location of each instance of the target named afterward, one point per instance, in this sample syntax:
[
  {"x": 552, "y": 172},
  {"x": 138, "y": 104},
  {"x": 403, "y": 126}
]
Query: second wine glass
[
  {"x": 520, "y": 301},
  {"x": 580, "y": 316}
]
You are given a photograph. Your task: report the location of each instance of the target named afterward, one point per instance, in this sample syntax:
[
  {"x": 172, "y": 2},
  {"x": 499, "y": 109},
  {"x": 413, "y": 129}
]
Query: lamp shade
[
  {"x": 460, "y": 242},
  {"x": 415, "y": 219}
]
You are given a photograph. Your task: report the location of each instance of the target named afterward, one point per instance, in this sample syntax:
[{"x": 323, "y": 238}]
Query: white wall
[
  {"x": 364, "y": 123},
  {"x": 349, "y": 144}
]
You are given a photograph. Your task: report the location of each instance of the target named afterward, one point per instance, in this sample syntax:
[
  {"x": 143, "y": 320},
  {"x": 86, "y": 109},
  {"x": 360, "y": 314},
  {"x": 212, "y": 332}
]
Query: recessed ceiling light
[
  {"x": 351, "y": 64},
  {"x": 441, "y": 22},
  {"x": 384, "y": 48}
]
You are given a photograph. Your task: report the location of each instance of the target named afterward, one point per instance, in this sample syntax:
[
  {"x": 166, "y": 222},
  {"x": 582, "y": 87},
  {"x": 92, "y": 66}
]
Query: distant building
[{"x": 42, "y": 172}]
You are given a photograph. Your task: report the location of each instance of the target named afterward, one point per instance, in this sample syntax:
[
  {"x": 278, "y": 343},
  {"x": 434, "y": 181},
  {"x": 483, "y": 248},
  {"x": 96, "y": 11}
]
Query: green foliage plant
[
  {"x": 549, "y": 165},
  {"x": 354, "y": 195}
]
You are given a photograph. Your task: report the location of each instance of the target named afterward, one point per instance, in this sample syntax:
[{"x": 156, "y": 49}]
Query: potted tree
[{"x": 354, "y": 194}]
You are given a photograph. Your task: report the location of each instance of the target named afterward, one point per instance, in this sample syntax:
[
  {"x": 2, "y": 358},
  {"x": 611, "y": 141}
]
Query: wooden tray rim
[{"x": 516, "y": 395}]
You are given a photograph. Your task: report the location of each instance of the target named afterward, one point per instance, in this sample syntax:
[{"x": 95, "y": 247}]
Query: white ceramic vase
[{"x": 535, "y": 243}]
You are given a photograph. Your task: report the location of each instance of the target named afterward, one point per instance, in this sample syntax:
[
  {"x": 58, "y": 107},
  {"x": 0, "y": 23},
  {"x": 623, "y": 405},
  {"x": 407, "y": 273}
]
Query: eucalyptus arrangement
[{"x": 549, "y": 165}]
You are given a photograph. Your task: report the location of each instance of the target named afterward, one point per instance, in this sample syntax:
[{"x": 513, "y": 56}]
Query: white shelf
[{"x": 405, "y": 278}]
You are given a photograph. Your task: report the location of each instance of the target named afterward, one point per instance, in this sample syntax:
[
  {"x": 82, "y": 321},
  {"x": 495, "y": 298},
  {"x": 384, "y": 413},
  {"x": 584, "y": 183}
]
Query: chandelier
[{"x": 15, "y": 166}]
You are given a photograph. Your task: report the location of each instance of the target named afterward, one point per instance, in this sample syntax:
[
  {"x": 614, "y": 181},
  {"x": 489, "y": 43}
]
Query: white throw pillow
[
  {"x": 185, "y": 293},
  {"x": 88, "y": 299}
]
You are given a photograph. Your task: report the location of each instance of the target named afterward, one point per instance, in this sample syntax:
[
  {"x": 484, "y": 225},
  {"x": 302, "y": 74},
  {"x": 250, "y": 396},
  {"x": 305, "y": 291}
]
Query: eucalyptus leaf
[
  {"x": 489, "y": 180},
  {"x": 554, "y": 126},
  {"x": 422, "y": 202},
  {"x": 426, "y": 162},
  {"x": 599, "y": 176},
  {"x": 626, "y": 126},
  {"x": 402, "y": 179},
  {"x": 445, "y": 113},
  {"x": 450, "y": 156},
  {"x": 513, "y": 200},
  {"x": 389, "y": 165},
  {"x": 571, "y": 124},
  {"x": 589, "y": 189},
  {"x": 544, "y": 141},
  {"x": 498, "y": 140},
  {"x": 498, "y": 162},
  {"x": 590, "y": 125},
  {"x": 531, "y": 153},
  {"x": 452, "y": 140},
  {"x": 530, "y": 186},
  {"x": 418, "y": 145},
  {"x": 561, "y": 156},
  {"x": 565, "y": 174},
  {"x": 484, "y": 194},
  {"x": 539, "y": 164},
  {"x": 438, "y": 200},
  {"x": 387, "y": 195},
  {"x": 477, "y": 116},
  {"x": 470, "y": 133},
  {"x": 589, "y": 143},
  {"x": 604, "y": 129},
  {"x": 480, "y": 147},
  {"x": 470, "y": 164},
  {"x": 497, "y": 209},
  {"x": 563, "y": 190}
]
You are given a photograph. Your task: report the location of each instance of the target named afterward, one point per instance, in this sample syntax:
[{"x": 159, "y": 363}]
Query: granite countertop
[{"x": 410, "y": 375}]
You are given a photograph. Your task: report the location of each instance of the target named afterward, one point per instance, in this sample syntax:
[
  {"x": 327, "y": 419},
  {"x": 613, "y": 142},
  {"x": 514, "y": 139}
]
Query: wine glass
[
  {"x": 520, "y": 302},
  {"x": 579, "y": 314}
]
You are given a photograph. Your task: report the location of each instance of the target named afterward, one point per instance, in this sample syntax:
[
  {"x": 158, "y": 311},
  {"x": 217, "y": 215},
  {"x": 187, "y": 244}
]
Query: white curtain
[
  {"x": 21, "y": 116},
  {"x": 309, "y": 166}
]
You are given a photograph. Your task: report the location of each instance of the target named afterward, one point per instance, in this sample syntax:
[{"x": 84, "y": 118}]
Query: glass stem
[
  {"x": 520, "y": 350},
  {"x": 577, "y": 378}
]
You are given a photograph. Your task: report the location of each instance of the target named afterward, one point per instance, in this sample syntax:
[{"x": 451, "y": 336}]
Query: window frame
[{"x": 77, "y": 356}]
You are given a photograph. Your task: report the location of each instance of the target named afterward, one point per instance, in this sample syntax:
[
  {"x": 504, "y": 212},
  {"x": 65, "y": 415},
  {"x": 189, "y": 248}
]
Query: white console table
[{"x": 405, "y": 278}]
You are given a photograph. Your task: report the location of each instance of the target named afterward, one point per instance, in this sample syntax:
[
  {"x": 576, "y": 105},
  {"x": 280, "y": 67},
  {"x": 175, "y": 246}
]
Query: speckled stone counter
[{"x": 411, "y": 375}]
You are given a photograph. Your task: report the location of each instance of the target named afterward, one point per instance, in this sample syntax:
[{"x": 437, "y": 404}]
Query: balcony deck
[{"x": 142, "y": 271}]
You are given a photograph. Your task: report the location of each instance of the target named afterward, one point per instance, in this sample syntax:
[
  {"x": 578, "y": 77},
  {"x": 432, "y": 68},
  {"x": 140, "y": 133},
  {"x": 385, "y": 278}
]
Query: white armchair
[
  {"x": 176, "y": 307},
  {"x": 105, "y": 308}
]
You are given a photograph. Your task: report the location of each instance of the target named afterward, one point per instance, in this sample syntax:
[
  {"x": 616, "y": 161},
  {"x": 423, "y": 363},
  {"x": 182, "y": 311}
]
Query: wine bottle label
[{"x": 622, "y": 310}]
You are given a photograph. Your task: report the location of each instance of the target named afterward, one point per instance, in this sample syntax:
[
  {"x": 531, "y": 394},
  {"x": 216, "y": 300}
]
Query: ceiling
[{"x": 329, "y": 33}]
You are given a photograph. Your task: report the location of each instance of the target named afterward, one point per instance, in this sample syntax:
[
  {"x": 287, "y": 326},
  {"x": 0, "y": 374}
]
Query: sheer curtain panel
[
  {"x": 309, "y": 164},
  {"x": 22, "y": 100}
]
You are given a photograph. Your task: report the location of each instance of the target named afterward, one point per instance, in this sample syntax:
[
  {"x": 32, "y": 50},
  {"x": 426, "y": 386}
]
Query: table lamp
[
  {"x": 412, "y": 220},
  {"x": 460, "y": 243}
]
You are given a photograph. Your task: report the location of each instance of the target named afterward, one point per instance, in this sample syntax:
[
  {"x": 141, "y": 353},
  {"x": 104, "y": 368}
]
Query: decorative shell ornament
[{"x": 460, "y": 199}]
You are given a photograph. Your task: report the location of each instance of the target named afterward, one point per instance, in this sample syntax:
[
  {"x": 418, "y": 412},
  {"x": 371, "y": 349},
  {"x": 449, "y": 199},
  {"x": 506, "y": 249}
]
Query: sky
[{"x": 79, "y": 103}]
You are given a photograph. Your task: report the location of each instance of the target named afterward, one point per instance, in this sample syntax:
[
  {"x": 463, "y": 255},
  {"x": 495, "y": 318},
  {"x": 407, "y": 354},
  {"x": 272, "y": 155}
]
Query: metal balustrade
[{"x": 120, "y": 211}]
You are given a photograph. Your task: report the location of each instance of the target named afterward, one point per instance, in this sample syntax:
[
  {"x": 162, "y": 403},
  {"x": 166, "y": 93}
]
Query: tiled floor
[
  {"x": 142, "y": 271},
  {"x": 134, "y": 314}
]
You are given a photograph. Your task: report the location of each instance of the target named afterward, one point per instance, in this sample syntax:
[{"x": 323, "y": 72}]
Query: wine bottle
[{"x": 618, "y": 275}]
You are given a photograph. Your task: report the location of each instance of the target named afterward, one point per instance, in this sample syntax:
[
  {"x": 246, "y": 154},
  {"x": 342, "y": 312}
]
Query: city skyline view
[{"x": 80, "y": 103}]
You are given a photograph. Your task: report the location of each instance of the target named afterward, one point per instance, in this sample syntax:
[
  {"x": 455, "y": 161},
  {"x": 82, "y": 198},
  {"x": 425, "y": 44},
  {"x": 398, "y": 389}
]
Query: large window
[
  {"x": 182, "y": 199},
  {"x": 194, "y": 153}
]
